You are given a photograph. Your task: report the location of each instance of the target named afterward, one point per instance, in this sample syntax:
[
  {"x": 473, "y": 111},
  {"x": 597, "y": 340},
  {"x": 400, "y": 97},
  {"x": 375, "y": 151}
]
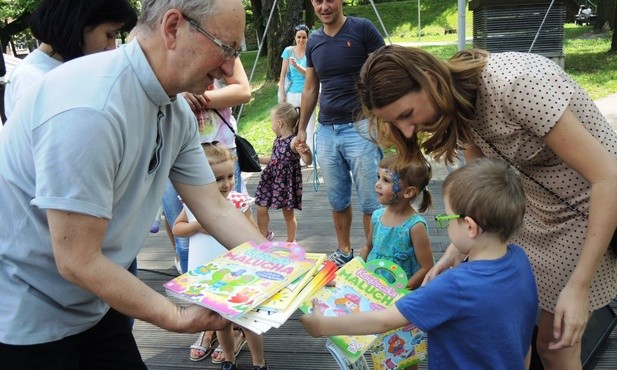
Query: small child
[
  {"x": 280, "y": 185},
  {"x": 221, "y": 161},
  {"x": 481, "y": 313},
  {"x": 397, "y": 232}
]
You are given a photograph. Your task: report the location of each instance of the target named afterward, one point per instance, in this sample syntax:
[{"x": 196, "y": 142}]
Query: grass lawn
[{"x": 586, "y": 58}]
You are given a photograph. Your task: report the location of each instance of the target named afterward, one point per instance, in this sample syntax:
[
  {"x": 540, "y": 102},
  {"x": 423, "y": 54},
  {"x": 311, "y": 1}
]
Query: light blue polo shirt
[{"x": 98, "y": 136}]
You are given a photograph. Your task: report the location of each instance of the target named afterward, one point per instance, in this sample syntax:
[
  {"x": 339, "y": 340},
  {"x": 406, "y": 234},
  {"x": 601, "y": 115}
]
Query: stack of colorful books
[
  {"x": 361, "y": 286},
  {"x": 258, "y": 286}
]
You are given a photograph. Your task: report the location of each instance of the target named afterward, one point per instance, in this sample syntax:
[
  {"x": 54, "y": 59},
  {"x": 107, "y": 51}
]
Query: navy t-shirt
[{"x": 337, "y": 62}]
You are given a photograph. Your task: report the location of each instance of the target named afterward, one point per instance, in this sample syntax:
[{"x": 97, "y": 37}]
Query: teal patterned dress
[{"x": 393, "y": 243}]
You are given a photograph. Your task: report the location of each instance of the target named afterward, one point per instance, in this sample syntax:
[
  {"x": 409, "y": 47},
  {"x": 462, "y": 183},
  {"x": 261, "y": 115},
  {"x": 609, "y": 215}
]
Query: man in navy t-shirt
[{"x": 335, "y": 54}]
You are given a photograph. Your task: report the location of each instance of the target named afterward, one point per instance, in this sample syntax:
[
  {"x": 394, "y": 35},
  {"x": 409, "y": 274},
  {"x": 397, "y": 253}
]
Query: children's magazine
[
  {"x": 241, "y": 279},
  {"x": 283, "y": 298},
  {"x": 359, "y": 287}
]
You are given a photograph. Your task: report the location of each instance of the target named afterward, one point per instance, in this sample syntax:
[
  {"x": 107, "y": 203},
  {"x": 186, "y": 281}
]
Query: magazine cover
[
  {"x": 324, "y": 275},
  {"x": 399, "y": 349},
  {"x": 283, "y": 298},
  {"x": 242, "y": 278},
  {"x": 359, "y": 287}
]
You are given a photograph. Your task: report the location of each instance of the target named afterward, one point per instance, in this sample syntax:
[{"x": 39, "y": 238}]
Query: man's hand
[
  {"x": 301, "y": 136},
  {"x": 195, "y": 319}
]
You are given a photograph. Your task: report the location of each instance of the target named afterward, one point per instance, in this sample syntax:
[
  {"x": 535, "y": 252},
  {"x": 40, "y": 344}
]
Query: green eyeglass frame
[{"x": 443, "y": 220}]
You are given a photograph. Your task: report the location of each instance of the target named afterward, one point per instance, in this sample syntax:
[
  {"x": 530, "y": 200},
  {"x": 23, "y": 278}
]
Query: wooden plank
[{"x": 289, "y": 347}]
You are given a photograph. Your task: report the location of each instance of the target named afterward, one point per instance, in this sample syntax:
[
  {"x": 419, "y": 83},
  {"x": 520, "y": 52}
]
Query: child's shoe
[
  {"x": 340, "y": 258},
  {"x": 270, "y": 235},
  {"x": 228, "y": 365},
  {"x": 257, "y": 367}
]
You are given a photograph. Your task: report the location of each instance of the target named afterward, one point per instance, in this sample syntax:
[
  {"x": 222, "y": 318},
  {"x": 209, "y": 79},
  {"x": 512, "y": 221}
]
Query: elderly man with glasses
[{"x": 83, "y": 165}]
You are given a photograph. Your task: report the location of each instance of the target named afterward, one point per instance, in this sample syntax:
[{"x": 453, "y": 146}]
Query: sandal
[
  {"x": 198, "y": 351},
  {"x": 218, "y": 356}
]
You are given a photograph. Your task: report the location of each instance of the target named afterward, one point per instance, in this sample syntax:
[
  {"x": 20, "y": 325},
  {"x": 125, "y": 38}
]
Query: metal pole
[
  {"x": 541, "y": 25},
  {"x": 385, "y": 31},
  {"x": 419, "y": 25},
  {"x": 462, "y": 4},
  {"x": 261, "y": 44}
]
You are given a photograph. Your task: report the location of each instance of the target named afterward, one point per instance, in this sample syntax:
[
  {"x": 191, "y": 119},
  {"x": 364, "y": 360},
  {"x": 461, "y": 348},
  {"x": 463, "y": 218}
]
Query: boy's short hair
[{"x": 489, "y": 191}]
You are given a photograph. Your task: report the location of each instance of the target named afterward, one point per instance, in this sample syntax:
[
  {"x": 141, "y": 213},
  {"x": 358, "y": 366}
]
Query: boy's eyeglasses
[
  {"x": 443, "y": 220},
  {"x": 228, "y": 51}
]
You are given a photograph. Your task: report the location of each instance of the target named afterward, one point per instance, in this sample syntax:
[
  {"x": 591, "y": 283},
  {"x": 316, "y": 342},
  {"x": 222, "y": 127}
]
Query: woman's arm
[
  {"x": 236, "y": 91},
  {"x": 451, "y": 257},
  {"x": 295, "y": 64},
  {"x": 424, "y": 254},
  {"x": 587, "y": 156}
]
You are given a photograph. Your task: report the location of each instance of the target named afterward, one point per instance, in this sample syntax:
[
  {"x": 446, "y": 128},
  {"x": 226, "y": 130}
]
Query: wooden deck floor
[{"x": 289, "y": 347}]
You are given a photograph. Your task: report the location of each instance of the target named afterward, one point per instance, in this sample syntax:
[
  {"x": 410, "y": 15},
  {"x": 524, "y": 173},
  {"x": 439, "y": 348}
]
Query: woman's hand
[
  {"x": 450, "y": 258},
  {"x": 571, "y": 315},
  {"x": 293, "y": 62},
  {"x": 196, "y": 102}
]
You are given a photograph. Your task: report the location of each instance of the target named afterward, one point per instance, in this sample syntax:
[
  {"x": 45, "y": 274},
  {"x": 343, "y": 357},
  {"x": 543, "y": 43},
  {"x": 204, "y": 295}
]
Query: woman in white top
[
  {"x": 293, "y": 70},
  {"x": 67, "y": 29}
]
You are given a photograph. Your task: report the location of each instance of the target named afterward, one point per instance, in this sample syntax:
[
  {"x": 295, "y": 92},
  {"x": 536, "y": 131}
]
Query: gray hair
[{"x": 152, "y": 11}]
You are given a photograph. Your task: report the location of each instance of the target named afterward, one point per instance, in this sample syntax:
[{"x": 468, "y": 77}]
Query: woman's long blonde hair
[{"x": 394, "y": 71}]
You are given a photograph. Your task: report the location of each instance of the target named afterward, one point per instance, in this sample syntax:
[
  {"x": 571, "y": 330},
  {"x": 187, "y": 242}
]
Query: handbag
[
  {"x": 613, "y": 243},
  {"x": 247, "y": 156}
]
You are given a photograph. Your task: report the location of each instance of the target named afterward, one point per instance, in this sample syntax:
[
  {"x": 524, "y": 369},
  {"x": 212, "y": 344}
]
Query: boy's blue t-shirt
[{"x": 479, "y": 315}]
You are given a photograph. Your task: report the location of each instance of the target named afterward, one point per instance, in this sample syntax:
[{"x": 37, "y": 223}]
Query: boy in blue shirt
[{"x": 480, "y": 314}]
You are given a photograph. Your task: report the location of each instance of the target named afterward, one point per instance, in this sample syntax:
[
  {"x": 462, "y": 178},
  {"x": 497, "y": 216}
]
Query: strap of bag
[
  {"x": 291, "y": 53},
  {"x": 225, "y": 121},
  {"x": 570, "y": 206}
]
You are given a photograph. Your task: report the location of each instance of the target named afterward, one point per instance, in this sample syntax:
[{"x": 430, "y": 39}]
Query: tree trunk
[
  {"x": 606, "y": 14},
  {"x": 16, "y": 26},
  {"x": 614, "y": 41},
  {"x": 258, "y": 21},
  {"x": 309, "y": 14},
  {"x": 281, "y": 33}
]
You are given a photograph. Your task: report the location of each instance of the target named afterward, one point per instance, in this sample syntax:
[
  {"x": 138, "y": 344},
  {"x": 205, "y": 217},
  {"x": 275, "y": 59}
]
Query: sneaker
[
  {"x": 270, "y": 235},
  {"x": 228, "y": 365},
  {"x": 257, "y": 367},
  {"x": 340, "y": 258}
]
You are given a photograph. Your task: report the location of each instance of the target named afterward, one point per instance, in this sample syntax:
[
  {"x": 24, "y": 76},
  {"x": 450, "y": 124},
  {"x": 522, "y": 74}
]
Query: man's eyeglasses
[
  {"x": 228, "y": 51},
  {"x": 443, "y": 220}
]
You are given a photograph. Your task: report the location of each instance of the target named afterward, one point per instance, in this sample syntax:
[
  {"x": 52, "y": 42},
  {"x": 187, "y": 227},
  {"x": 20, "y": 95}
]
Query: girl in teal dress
[{"x": 398, "y": 233}]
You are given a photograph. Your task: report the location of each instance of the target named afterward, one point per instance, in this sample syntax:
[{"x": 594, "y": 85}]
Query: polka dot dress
[{"x": 520, "y": 98}]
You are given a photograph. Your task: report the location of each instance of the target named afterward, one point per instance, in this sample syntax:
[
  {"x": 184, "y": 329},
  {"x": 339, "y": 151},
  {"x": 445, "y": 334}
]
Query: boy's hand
[{"x": 312, "y": 321}]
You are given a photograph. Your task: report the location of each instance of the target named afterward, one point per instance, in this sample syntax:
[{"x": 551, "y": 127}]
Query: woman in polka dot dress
[
  {"x": 527, "y": 110},
  {"x": 280, "y": 185}
]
